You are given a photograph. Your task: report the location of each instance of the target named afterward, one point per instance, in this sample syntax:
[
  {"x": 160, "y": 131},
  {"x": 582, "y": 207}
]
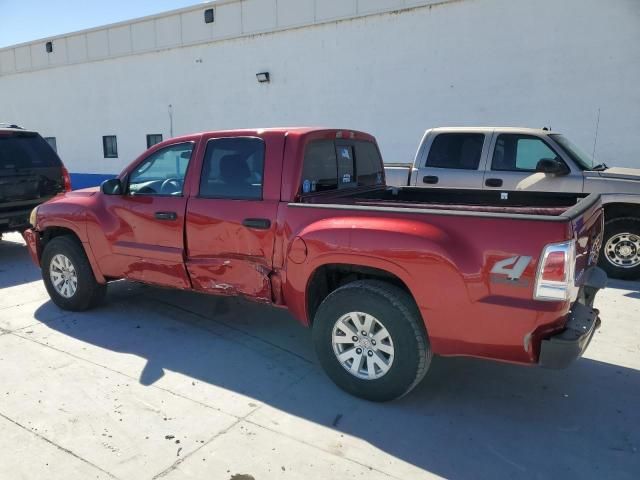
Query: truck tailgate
[
  {"x": 397, "y": 174},
  {"x": 587, "y": 224}
]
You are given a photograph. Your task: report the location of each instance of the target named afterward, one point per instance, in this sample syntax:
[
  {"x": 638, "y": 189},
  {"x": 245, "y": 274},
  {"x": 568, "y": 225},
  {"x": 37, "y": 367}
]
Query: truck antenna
[
  {"x": 595, "y": 139},
  {"x": 170, "y": 110}
]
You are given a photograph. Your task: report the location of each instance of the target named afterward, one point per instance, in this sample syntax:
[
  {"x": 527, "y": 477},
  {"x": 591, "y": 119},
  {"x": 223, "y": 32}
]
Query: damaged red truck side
[{"x": 302, "y": 219}]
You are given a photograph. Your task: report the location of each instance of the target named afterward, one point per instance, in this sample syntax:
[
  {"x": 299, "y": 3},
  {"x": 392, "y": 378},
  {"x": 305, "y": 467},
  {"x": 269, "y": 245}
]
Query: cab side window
[
  {"x": 233, "y": 168},
  {"x": 456, "y": 150},
  {"x": 522, "y": 153},
  {"x": 163, "y": 172}
]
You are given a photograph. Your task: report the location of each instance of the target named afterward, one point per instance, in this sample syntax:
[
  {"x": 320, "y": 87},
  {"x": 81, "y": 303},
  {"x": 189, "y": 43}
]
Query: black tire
[
  {"x": 614, "y": 227},
  {"x": 89, "y": 292},
  {"x": 398, "y": 313}
]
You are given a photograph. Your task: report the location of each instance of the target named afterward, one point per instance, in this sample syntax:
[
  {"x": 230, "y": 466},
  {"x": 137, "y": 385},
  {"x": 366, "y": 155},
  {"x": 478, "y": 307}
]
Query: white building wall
[{"x": 394, "y": 74}]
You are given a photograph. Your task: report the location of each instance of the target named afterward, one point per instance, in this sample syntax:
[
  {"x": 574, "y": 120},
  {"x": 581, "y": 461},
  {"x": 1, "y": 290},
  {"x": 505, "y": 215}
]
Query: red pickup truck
[{"x": 301, "y": 218}]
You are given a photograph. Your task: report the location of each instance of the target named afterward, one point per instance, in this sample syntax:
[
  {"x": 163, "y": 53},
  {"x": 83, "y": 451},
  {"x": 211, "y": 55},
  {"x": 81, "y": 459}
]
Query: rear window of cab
[
  {"x": 26, "y": 150},
  {"x": 338, "y": 164}
]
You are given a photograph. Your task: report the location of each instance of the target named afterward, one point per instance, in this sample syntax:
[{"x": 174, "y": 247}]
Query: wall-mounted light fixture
[
  {"x": 208, "y": 15},
  {"x": 49, "y": 47},
  {"x": 263, "y": 77}
]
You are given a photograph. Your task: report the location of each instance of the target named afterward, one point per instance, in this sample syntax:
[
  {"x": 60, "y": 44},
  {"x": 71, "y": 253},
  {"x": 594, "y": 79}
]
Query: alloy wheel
[
  {"x": 363, "y": 345},
  {"x": 63, "y": 275}
]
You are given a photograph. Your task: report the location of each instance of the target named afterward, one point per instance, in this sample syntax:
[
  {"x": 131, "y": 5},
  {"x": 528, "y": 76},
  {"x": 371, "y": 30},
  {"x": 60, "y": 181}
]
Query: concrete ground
[{"x": 163, "y": 384}]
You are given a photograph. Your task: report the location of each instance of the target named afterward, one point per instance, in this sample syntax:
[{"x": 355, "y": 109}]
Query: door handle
[
  {"x": 493, "y": 182},
  {"x": 166, "y": 215},
  {"x": 258, "y": 223},
  {"x": 432, "y": 179}
]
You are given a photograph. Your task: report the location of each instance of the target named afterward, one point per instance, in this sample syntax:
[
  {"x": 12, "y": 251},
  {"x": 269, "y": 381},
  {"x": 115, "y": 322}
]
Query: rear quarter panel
[{"x": 445, "y": 261}]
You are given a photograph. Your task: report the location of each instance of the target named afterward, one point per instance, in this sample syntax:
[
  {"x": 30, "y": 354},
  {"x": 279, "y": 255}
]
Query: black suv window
[
  {"x": 233, "y": 168},
  {"x": 456, "y": 150},
  {"x": 329, "y": 165},
  {"x": 26, "y": 150}
]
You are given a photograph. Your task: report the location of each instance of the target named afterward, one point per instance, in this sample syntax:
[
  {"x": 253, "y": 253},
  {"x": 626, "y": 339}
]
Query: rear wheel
[
  {"x": 68, "y": 276},
  {"x": 370, "y": 340},
  {"x": 620, "y": 255}
]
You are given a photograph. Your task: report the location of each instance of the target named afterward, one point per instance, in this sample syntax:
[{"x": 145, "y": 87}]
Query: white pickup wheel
[
  {"x": 620, "y": 254},
  {"x": 371, "y": 341},
  {"x": 68, "y": 276}
]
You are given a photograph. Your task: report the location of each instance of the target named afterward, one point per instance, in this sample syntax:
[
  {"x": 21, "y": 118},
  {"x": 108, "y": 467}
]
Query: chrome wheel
[
  {"x": 362, "y": 345},
  {"x": 623, "y": 250},
  {"x": 63, "y": 276}
]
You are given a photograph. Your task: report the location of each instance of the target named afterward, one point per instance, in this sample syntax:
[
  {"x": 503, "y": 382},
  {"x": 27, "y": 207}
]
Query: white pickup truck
[{"x": 504, "y": 159}]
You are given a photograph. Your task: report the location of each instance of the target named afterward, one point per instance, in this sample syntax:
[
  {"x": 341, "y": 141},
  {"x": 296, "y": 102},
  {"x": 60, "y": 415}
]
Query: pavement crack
[
  {"x": 224, "y": 431},
  {"x": 59, "y": 447},
  {"x": 40, "y": 299},
  {"x": 316, "y": 447},
  {"x": 31, "y": 325},
  {"x": 136, "y": 379}
]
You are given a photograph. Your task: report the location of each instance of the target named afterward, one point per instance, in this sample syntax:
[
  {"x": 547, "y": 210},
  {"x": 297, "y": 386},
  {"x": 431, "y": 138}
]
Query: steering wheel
[{"x": 171, "y": 186}]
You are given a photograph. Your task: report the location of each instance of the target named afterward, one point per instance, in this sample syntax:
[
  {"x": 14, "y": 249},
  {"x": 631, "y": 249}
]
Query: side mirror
[
  {"x": 113, "y": 186},
  {"x": 551, "y": 166}
]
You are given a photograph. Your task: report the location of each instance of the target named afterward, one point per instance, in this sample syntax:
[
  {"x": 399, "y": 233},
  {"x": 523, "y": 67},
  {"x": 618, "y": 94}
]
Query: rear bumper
[
  {"x": 34, "y": 246},
  {"x": 561, "y": 349}
]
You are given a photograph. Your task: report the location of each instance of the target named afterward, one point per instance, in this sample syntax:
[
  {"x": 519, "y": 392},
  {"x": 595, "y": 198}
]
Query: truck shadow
[
  {"x": 469, "y": 419},
  {"x": 16, "y": 266},
  {"x": 633, "y": 286},
  {"x": 623, "y": 284}
]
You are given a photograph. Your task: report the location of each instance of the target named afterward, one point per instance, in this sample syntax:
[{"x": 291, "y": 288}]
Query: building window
[
  {"x": 153, "y": 138},
  {"x": 110, "y": 146},
  {"x": 52, "y": 143}
]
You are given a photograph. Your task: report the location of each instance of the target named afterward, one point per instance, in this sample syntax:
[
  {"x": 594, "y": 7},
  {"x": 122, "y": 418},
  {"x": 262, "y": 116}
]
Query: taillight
[
  {"x": 554, "y": 268},
  {"x": 66, "y": 179},
  {"x": 555, "y": 279}
]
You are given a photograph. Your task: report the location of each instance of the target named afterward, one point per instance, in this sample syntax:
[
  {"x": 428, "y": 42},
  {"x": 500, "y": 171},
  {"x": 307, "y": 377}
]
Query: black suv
[{"x": 30, "y": 173}]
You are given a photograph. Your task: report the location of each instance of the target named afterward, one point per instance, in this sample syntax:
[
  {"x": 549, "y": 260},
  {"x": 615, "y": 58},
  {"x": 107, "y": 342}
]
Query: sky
[{"x": 26, "y": 20}]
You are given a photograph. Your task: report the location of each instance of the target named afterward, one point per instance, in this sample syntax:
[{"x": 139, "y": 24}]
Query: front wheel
[
  {"x": 370, "y": 340},
  {"x": 620, "y": 255},
  {"x": 68, "y": 276}
]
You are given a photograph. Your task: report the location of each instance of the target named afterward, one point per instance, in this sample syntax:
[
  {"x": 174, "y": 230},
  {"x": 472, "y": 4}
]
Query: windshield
[
  {"x": 584, "y": 160},
  {"x": 26, "y": 150}
]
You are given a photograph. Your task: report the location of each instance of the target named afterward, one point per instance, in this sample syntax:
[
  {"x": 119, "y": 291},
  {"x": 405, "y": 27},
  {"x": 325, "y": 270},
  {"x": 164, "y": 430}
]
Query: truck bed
[{"x": 463, "y": 201}]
